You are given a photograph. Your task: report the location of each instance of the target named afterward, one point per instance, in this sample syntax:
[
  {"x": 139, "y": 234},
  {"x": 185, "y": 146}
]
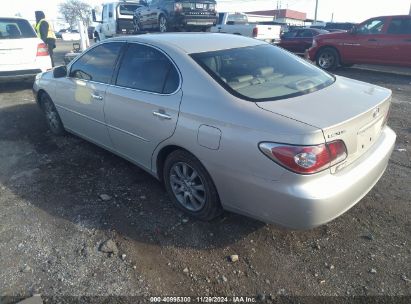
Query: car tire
[
  {"x": 162, "y": 24},
  {"x": 328, "y": 59},
  {"x": 190, "y": 187},
  {"x": 52, "y": 116}
]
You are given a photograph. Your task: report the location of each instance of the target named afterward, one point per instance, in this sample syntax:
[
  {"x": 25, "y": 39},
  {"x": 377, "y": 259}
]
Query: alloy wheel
[
  {"x": 163, "y": 24},
  {"x": 187, "y": 186},
  {"x": 326, "y": 60},
  {"x": 51, "y": 116}
]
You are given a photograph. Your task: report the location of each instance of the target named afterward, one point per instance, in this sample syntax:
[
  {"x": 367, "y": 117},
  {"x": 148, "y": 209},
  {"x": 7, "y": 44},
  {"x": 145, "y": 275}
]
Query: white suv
[{"x": 22, "y": 53}]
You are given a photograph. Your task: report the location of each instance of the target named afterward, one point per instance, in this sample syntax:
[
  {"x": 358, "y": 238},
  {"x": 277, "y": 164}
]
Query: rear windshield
[
  {"x": 15, "y": 29},
  {"x": 128, "y": 9},
  {"x": 263, "y": 72}
]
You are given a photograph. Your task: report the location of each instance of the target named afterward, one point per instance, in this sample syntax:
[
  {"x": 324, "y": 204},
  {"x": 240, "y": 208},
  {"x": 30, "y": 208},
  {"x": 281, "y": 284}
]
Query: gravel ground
[{"x": 62, "y": 198}]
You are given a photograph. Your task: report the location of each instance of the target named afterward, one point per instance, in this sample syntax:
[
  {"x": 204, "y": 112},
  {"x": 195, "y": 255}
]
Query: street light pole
[{"x": 316, "y": 9}]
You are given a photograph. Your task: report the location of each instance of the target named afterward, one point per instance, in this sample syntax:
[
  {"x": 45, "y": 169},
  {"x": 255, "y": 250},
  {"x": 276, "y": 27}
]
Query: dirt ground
[{"x": 53, "y": 222}]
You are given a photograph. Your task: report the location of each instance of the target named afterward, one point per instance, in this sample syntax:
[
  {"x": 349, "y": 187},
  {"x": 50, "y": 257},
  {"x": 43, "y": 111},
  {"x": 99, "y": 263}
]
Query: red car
[
  {"x": 382, "y": 40},
  {"x": 299, "y": 40}
]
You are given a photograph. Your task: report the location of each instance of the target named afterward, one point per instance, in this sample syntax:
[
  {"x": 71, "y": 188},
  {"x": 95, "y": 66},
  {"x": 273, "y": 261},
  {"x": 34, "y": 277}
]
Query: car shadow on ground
[
  {"x": 15, "y": 86},
  {"x": 68, "y": 175}
]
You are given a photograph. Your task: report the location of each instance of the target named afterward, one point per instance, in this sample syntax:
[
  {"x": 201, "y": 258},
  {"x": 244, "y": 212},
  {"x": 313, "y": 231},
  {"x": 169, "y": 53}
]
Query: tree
[{"x": 72, "y": 10}]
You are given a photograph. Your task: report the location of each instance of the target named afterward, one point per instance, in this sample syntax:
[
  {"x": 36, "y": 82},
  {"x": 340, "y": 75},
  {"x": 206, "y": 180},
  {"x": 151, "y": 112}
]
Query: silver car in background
[{"x": 227, "y": 122}]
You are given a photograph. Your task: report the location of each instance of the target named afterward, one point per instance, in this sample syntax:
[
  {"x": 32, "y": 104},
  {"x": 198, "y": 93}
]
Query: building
[{"x": 283, "y": 16}]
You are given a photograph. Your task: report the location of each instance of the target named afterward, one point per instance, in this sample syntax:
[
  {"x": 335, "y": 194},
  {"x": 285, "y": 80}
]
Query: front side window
[
  {"x": 263, "y": 72},
  {"x": 374, "y": 26},
  {"x": 400, "y": 26},
  {"x": 15, "y": 29},
  {"x": 98, "y": 63},
  {"x": 147, "y": 69}
]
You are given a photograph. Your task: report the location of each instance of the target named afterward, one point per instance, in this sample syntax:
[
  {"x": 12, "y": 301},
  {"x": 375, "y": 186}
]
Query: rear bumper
[
  {"x": 303, "y": 202},
  {"x": 18, "y": 75},
  {"x": 11, "y": 72}
]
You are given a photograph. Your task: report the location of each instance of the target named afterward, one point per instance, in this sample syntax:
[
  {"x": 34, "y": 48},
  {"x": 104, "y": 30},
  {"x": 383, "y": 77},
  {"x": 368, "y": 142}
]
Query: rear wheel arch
[
  {"x": 40, "y": 94},
  {"x": 162, "y": 156}
]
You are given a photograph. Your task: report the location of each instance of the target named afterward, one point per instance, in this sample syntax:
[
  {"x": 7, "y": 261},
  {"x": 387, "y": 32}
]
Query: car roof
[
  {"x": 12, "y": 17},
  {"x": 195, "y": 42}
]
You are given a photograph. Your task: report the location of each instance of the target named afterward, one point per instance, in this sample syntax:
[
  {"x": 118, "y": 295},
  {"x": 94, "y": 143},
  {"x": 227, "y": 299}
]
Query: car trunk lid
[
  {"x": 349, "y": 110},
  {"x": 18, "y": 51}
]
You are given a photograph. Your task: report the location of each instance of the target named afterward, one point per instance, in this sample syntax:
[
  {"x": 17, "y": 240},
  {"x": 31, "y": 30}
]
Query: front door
[
  {"x": 142, "y": 107},
  {"x": 366, "y": 44},
  {"x": 398, "y": 41},
  {"x": 81, "y": 96}
]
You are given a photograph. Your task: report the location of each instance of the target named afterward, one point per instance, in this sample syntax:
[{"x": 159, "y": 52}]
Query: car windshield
[
  {"x": 128, "y": 9},
  {"x": 15, "y": 29},
  {"x": 263, "y": 72}
]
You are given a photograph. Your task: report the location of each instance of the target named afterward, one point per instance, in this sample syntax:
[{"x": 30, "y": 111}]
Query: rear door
[
  {"x": 304, "y": 40},
  {"x": 18, "y": 43},
  {"x": 289, "y": 40},
  {"x": 398, "y": 41},
  {"x": 142, "y": 108},
  {"x": 81, "y": 96}
]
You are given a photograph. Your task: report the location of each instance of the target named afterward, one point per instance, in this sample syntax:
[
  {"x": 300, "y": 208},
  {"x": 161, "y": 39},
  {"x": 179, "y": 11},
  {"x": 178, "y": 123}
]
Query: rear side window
[
  {"x": 15, "y": 29},
  {"x": 98, "y": 63},
  {"x": 147, "y": 69},
  {"x": 400, "y": 26}
]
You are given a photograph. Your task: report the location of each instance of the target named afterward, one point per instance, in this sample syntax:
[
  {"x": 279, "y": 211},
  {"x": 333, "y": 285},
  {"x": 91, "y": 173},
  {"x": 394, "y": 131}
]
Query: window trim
[
  {"x": 69, "y": 67},
  {"x": 120, "y": 61}
]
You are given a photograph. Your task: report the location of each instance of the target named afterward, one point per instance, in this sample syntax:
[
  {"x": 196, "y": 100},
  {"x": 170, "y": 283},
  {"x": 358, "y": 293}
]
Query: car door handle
[
  {"x": 162, "y": 115},
  {"x": 372, "y": 40},
  {"x": 409, "y": 40},
  {"x": 98, "y": 97}
]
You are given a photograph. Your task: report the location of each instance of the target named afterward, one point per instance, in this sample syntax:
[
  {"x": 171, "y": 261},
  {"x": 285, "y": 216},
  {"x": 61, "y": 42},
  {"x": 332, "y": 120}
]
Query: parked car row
[
  {"x": 382, "y": 40},
  {"x": 119, "y": 18}
]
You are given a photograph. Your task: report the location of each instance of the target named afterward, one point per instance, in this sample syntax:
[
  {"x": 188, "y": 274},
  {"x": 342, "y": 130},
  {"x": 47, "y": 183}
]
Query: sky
[{"x": 343, "y": 10}]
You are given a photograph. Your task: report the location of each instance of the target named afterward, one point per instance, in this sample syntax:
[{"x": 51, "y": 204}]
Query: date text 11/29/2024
[{"x": 207, "y": 299}]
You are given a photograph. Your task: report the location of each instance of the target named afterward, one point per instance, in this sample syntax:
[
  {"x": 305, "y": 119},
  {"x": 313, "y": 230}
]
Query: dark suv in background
[{"x": 169, "y": 15}]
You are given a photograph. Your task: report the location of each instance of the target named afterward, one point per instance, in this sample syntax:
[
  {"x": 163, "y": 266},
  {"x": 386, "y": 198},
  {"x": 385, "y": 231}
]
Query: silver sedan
[{"x": 227, "y": 122}]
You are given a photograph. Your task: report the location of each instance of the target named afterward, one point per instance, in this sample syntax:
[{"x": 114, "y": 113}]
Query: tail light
[
  {"x": 178, "y": 7},
  {"x": 306, "y": 159},
  {"x": 42, "y": 50},
  {"x": 255, "y": 32}
]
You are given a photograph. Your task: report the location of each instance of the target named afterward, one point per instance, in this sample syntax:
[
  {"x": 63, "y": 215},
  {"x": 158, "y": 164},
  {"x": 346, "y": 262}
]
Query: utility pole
[
  {"x": 410, "y": 9},
  {"x": 332, "y": 17},
  {"x": 316, "y": 9}
]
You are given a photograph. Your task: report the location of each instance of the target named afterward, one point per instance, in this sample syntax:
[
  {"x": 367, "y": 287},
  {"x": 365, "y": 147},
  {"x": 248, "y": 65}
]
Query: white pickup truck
[
  {"x": 116, "y": 19},
  {"x": 237, "y": 23}
]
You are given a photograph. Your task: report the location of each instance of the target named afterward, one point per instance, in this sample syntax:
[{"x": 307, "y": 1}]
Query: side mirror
[
  {"x": 354, "y": 30},
  {"x": 60, "y": 71}
]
